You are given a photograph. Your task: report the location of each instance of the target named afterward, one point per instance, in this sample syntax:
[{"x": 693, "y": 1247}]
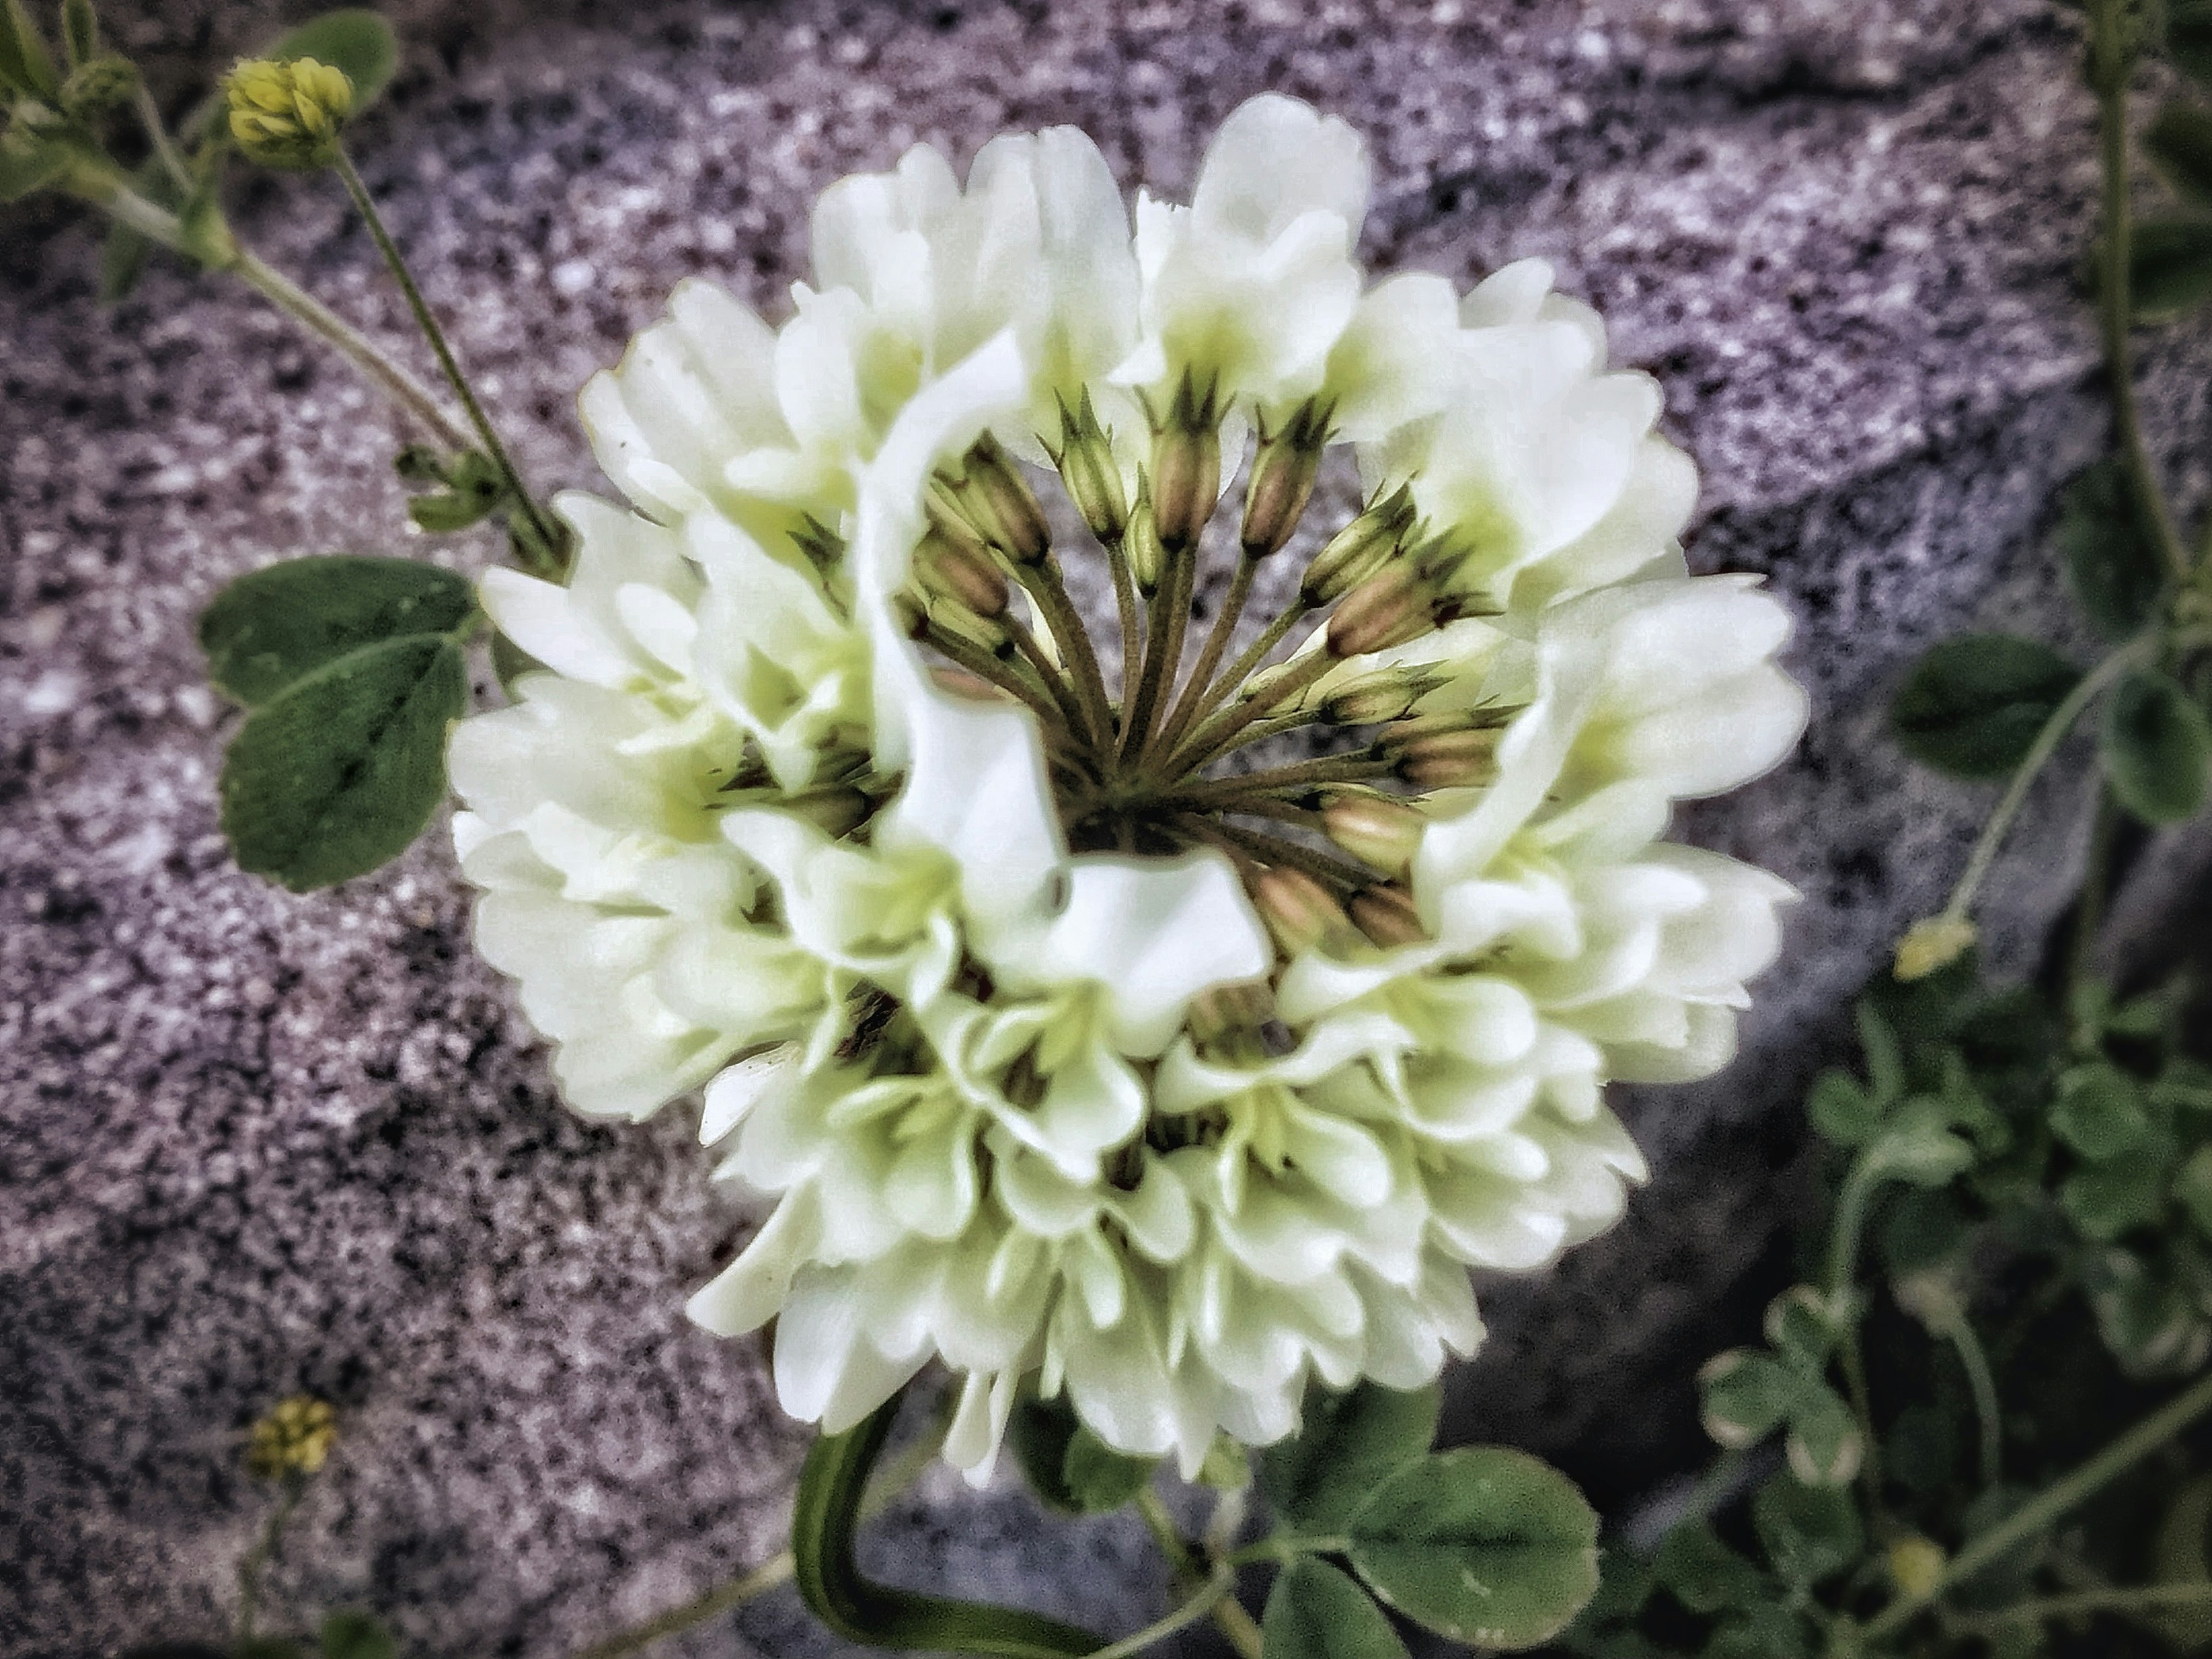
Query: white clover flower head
[{"x": 1074, "y": 1031}]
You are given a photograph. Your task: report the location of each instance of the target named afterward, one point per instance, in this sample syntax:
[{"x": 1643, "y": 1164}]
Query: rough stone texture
[{"x": 250, "y": 1144}]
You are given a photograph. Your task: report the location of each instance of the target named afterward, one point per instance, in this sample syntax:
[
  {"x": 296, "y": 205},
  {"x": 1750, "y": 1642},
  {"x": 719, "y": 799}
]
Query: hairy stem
[
  {"x": 1043, "y": 584},
  {"x": 1215, "y": 736},
  {"x": 1194, "y": 694},
  {"x": 525, "y": 502},
  {"x": 2038, "y": 1512}
]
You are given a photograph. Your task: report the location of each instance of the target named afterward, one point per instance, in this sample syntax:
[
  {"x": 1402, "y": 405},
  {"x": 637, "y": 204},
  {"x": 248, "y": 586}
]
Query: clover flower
[
  {"x": 287, "y": 113},
  {"x": 1175, "y": 1047}
]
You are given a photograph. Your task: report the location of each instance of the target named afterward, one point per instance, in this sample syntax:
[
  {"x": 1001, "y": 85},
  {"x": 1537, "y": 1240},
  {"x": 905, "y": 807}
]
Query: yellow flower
[
  {"x": 295, "y": 1438},
  {"x": 288, "y": 114},
  {"x": 1917, "y": 1566},
  {"x": 1931, "y": 945}
]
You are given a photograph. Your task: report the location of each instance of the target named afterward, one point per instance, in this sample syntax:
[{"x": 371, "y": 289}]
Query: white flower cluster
[{"x": 1073, "y": 1057}]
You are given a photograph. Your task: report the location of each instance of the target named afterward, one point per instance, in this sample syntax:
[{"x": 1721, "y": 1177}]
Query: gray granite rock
[{"x": 251, "y": 1144}]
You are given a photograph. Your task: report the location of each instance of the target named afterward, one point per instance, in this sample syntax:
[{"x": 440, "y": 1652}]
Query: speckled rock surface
[{"x": 251, "y": 1144}]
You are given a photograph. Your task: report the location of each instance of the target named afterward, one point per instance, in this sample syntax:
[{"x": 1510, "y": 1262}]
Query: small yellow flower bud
[
  {"x": 1386, "y": 913},
  {"x": 1186, "y": 468},
  {"x": 966, "y": 572},
  {"x": 1089, "y": 470},
  {"x": 98, "y": 85},
  {"x": 1299, "y": 911},
  {"x": 1915, "y": 1565},
  {"x": 1359, "y": 551},
  {"x": 1282, "y": 482},
  {"x": 1384, "y": 832},
  {"x": 999, "y": 501},
  {"x": 1389, "y": 608},
  {"x": 288, "y": 114},
  {"x": 1932, "y": 944},
  {"x": 295, "y": 1438}
]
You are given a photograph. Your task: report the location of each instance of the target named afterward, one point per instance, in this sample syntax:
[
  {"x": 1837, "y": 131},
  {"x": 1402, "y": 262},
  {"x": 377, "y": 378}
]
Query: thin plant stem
[
  {"x": 2096, "y": 880},
  {"x": 890, "y": 1482},
  {"x": 157, "y": 224},
  {"x": 1284, "y": 1551},
  {"x": 2046, "y": 742},
  {"x": 985, "y": 667},
  {"x": 1210, "y": 1595},
  {"x": 1055, "y": 678},
  {"x": 2136, "y": 1598},
  {"x": 2055, "y": 1500},
  {"x": 1844, "y": 1230},
  {"x": 1273, "y": 849},
  {"x": 448, "y": 362},
  {"x": 1209, "y": 656},
  {"x": 2110, "y": 74},
  {"x": 258, "y": 1558},
  {"x": 157, "y": 135},
  {"x": 1043, "y": 584},
  {"x": 1166, "y": 615},
  {"x": 1125, "y": 603},
  {"x": 1982, "y": 1382},
  {"x": 1358, "y": 767},
  {"x": 1252, "y": 656},
  {"x": 1229, "y": 1616},
  {"x": 1214, "y": 737}
]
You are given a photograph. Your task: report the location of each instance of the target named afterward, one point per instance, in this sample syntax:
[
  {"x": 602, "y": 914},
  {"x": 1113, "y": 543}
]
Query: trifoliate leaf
[
  {"x": 2100, "y": 1112},
  {"x": 1810, "y": 1533},
  {"x": 354, "y": 1634},
  {"x": 1349, "y": 1444},
  {"x": 2157, "y": 748},
  {"x": 267, "y": 630},
  {"x": 1972, "y": 705},
  {"x": 1746, "y": 1395},
  {"x": 2170, "y": 267},
  {"x": 1317, "y": 1612},
  {"x": 2151, "y": 1324},
  {"x": 1704, "y": 1574},
  {"x": 1918, "y": 1146},
  {"x": 1801, "y": 1325},
  {"x": 2179, "y": 144},
  {"x": 354, "y": 39},
  {"x": 2114, "y": 568},
  {"x": 1841, "y": 1110},
  {"x": 339, "y": 772},
  {"x": 2107, "y": 1200},
  {"x": 1485, "y": 1546},
  {"x": 1824, "y": 1447},
  {"x": 1771, "y": 1632}
]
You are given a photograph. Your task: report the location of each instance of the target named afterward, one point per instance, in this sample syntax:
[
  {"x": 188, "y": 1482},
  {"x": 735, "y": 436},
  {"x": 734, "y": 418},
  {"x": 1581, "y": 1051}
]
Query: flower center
[{"x": 1309, "y": 774}]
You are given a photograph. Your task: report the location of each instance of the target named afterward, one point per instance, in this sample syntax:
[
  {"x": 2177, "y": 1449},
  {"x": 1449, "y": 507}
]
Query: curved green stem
[
  {"x": 1196, "y": 693},
  {"x": 264, "y": 1551},
  {"x": 1229, "y": 1616},
  {"x": 1983, "y": 1383},
  {"x": 525, "y": 502},
  {"x": 157, "y": 135},
  {"x": 1843, "y": 1235},
  {"x": 1284, "y": 1551},
  {"x": 2140, "y": 1598},
  {"x": 2110, "y": 65},
  {"x": 1043, "y": 584},
  {"x": 1209, "y": 1595},
  {"x": 158, "y": 224},
  {"x": 2038, "y": 1512},
  {"x": 2046, "y": 741},
  {"x": 822, "y": 1524}
]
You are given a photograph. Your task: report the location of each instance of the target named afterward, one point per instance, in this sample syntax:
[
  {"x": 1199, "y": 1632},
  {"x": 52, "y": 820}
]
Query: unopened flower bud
[
  {"x": 1385, "y": 833},
  {"x": 965, "y": 572},
  {"x": 1186, "y": 468},
  {"x": 295, "y": 1438},
  {"x": 1450, "y": 754},
  {"x": 1359, "y": 551},
  {"x": 98, "y": 85},
  {"x": 288, "y": 114},
  {"x": 835, "y": 812},
  {"x": 911, "y": 615},
  {"x": 1916, "y": 1564},
  {"x": 1371, "y": 699},
  {"x": 1931, "y": 945},
  {"x": 1299, "y": 911},
  {"x": 1148, "y": 557},
  {"x": 1386, "y": 913},
  {"x": 999, "y": 503},
  {"x": 1089, "y": 470},
  {"x": 1226, "y": 1021},
  {"x": 1389, "y": 608},
  {"x": 1282, "y": 482}
]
